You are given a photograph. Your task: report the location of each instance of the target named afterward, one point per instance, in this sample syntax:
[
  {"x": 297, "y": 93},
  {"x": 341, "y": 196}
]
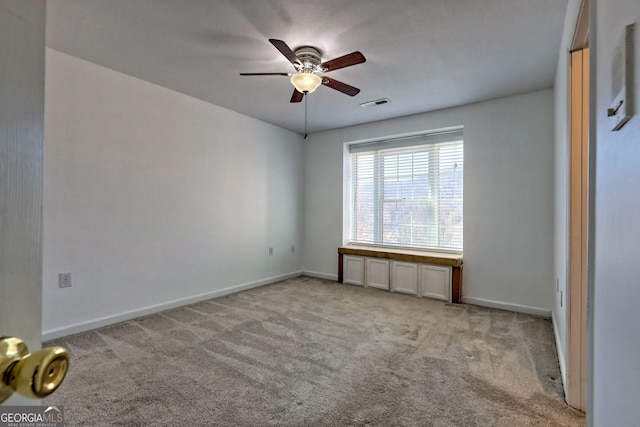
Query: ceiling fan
[{"x": 307, "y": 62}]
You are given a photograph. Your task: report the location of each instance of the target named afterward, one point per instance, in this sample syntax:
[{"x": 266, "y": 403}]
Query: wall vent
[{"x": 375, "y": 103}]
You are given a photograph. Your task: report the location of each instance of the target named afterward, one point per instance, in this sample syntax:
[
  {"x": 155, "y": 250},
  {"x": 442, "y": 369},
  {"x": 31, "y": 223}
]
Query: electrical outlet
[
  {"x": 64, "y": 280},
  {"x": 293, "y": 248},
  {"x": 270, "y": 251}
]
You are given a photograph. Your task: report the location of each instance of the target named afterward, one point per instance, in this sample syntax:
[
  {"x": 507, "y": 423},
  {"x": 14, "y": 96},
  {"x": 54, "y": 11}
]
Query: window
[{"x": 408, "y": 192}]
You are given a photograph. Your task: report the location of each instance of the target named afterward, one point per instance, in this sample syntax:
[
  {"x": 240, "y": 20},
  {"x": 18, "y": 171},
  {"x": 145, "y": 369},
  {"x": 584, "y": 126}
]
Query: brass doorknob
[{"x": 33, "y": 375}]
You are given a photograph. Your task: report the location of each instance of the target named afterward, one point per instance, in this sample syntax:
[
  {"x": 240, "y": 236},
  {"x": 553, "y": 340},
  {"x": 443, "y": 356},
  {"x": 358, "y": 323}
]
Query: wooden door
[{"x": 578, "y": 229}]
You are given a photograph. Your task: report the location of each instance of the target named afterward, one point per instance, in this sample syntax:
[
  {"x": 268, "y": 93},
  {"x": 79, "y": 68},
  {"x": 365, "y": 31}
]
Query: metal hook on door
[{"x": 613, "y": 111}]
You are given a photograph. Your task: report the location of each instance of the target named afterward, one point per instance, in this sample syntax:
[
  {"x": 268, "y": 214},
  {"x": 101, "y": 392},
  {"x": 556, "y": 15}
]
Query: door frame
[{"x": 578, "y": 209}]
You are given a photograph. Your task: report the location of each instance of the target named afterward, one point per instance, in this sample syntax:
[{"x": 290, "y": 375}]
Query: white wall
[
  {"x": 508, "y": 196},
  {"x": 153, "y": 197},
  {"x": 616, "y": 284},
  {"x": 561, "y": 233}
]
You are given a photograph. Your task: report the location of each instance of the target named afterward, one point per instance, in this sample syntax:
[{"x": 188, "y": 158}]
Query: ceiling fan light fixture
[{"x": 305, "y": 82}]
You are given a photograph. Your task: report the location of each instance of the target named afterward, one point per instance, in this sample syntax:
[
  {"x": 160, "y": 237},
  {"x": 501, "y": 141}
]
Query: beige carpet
[{"x": 311, "y": 352}]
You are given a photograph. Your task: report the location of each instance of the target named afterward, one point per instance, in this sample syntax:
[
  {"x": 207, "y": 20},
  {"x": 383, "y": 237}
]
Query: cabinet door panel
[
  {"x": 435, "y": 282},
  {"x": 404, "y": 277},
  {"x": 353, "y": 270},
  {"x": 377, "y": 273}
]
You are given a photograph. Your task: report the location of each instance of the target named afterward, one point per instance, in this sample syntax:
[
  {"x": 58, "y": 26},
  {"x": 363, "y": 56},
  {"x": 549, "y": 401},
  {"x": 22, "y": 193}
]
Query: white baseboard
[
  {"x": 128, "y": 315},
  {"x": 560, "y": 350},
  {"x": 507, "y": 306},
  {"x": 321, "y": 275}
]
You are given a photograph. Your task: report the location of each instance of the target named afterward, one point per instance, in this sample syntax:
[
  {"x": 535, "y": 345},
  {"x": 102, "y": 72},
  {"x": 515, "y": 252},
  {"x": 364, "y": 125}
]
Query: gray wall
[
  {"x": 616, "y": 281},
  {"x": 508, "y": 196},
  {"x": 153, "y": 198}
]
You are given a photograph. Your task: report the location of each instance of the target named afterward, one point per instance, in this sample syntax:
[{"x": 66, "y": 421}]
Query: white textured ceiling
[{"x": 421, "y": 54}]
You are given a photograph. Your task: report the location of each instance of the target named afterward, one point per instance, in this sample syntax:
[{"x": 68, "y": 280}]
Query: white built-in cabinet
[
  {"x": 404, "y": 277},
  {"x": 435, "y": 281},
  {"x": 425, "y": 280},
  {"x": 354, "y": 270},
  {"x": 377, "y": 273}
]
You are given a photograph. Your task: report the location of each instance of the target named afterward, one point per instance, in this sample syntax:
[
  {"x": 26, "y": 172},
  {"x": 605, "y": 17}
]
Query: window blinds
[{"x": 408, "y": 192}]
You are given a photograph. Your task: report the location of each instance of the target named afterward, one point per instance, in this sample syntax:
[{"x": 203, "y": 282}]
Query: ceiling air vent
[{"x": 375, "y": 103}]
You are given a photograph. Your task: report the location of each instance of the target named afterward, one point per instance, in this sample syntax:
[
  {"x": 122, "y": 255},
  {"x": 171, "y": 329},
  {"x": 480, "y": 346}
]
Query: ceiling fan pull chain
[{"x": 305, "y": 115}]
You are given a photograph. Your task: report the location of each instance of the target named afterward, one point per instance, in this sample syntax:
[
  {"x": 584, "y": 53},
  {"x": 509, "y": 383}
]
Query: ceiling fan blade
[
  {"x": 285, "y": 50},
  {"x": 265, "y": 74},
  {"x": 339, "y": 86},
  {"x": 297, "y": 96},
  {"x": 344, "y": 61}
]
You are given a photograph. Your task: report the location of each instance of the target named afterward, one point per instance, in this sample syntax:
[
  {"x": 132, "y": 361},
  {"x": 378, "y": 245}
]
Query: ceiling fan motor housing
[{"x": 310, "y": 59}]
